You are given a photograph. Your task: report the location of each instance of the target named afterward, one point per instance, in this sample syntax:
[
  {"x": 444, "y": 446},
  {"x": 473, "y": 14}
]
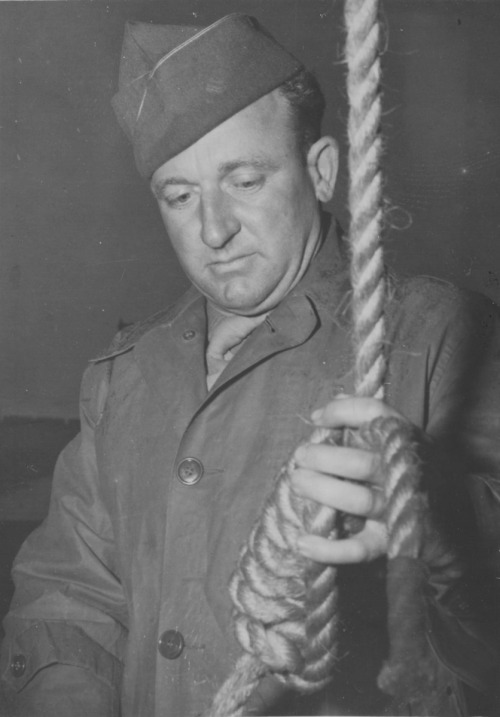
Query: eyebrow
[
  {"x": 252, "y": 162},
  {"x": 223, "y": 169}
]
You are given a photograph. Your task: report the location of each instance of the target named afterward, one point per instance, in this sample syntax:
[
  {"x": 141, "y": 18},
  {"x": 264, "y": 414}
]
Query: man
[{"x": 121, "y": 603}]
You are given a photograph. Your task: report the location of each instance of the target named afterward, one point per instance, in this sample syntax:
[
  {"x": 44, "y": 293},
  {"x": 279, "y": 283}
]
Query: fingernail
[{"x": 316, "y": 415}]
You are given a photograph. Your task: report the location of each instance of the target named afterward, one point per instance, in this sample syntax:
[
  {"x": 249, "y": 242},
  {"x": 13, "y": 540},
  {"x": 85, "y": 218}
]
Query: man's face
[{"x": 241, "y": 209}]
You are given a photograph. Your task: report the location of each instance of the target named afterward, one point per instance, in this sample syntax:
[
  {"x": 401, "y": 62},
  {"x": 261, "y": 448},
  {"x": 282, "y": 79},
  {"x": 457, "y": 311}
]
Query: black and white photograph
[{"x": 250, "y": 363}]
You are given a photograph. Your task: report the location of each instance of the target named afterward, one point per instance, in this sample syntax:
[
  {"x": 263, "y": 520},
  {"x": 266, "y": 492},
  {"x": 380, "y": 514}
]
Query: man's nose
[{"x": 218, "y": 222}]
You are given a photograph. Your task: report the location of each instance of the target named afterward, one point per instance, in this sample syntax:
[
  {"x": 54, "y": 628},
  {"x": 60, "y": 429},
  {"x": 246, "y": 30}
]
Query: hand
[{"x": 321, "y": 475}]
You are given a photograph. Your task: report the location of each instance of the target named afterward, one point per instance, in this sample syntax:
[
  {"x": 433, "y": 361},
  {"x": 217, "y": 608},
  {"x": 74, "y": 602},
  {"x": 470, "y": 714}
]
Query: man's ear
[{"x": 322, "y": 164}]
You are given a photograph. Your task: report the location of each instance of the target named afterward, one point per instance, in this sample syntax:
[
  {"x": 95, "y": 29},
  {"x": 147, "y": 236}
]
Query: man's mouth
[{"x": 231, "y": 262}]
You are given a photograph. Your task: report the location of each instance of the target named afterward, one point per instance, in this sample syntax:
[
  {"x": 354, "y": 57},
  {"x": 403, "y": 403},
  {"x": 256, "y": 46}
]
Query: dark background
[{"x": 82, "y": 245}]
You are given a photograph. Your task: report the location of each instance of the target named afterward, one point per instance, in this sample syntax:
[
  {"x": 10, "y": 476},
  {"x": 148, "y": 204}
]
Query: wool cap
[{"x": 178, "y": 82}]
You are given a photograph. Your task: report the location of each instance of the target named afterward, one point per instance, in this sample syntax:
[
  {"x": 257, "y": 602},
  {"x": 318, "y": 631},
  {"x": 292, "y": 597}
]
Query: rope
[
  {"x": 365, "y": 194},
  {"x": 285, "y": 605}
]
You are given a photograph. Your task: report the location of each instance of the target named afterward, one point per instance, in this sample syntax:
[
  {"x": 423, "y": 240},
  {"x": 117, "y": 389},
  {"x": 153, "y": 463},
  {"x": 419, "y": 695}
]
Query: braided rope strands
[
  {"x": 408, "y": 674},
  {"x": 295, "y": 640},
  {"x": 285, "y": 605},
  {"x": 365, "y": 193}
]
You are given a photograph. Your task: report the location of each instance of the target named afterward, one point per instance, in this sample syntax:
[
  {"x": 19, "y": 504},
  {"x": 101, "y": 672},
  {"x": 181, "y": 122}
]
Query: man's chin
[
  {"x": 241, "y": 305},
  {"x": 237, "y": 297}
]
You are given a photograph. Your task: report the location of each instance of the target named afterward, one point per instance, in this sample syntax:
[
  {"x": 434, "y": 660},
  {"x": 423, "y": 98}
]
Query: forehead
[{"x": 263, "y": 130}]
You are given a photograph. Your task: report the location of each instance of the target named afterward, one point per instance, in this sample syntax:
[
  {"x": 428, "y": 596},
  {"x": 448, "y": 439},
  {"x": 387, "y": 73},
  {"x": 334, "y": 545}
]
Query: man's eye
[
  {"x": 249, "y": 183},
  {"x": 178, "y": 200}
]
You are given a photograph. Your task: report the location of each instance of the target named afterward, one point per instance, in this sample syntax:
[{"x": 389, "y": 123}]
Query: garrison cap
[{"x": 179, "y": 82}]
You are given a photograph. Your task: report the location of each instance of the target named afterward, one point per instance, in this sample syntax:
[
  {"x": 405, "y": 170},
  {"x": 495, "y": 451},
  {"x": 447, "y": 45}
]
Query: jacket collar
[{"x": 325, "y": 285}]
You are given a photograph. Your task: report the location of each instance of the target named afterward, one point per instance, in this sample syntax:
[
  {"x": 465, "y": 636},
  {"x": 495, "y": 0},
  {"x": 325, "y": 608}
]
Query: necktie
[{"x": 226, "y": 333}]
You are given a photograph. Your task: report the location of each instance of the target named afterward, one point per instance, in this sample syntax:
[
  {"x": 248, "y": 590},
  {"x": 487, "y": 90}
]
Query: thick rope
[
  {"x": 285, "y": 606},
  {"x": 408, "y": 672},
  {"x": 365, "y": 194},
  {"x": 286, "y": 632},
  {"x": 279, "y": 629}
]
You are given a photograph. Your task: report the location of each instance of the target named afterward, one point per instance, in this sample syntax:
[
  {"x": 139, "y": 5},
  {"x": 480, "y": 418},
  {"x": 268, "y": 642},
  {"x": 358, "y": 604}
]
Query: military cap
[{"x": 178, "y": 82}]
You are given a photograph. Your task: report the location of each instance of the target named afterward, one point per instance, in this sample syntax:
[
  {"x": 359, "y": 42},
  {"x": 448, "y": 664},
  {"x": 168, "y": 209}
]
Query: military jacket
[{"x": 121, "y": 603}]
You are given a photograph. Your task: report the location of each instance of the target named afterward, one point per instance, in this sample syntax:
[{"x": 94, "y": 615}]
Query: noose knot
[
  {"x": 285, "y": 605},
  {"x": 283, "y": 601}
]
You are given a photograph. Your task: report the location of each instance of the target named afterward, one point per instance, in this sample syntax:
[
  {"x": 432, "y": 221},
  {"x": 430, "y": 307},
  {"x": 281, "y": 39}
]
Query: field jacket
[{"x": 121, "y": 603}]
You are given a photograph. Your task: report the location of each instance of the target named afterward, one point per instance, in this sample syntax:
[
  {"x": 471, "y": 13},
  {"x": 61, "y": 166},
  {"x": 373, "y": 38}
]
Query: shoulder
[
  {"x": 129, "y": 336},
  {"x": 97, "y": 376},
  {"x": 443, "y": 345},
  {"x": 425, "y": 305}
]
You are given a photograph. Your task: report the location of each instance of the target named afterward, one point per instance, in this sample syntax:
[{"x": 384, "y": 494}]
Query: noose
[{"x": 285, "y": 605}]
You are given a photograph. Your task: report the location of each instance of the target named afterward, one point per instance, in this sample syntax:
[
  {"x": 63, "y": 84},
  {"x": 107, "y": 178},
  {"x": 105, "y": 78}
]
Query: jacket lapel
[{"x": 289, "y": 326}]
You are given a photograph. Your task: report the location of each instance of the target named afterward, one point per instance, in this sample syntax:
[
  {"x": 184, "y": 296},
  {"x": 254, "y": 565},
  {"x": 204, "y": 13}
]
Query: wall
[{"x": 82, "y": 246}]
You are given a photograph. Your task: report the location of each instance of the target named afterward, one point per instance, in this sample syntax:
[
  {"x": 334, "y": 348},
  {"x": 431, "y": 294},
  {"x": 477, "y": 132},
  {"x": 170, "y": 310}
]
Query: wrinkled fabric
[{"x": 128, "y": 551}]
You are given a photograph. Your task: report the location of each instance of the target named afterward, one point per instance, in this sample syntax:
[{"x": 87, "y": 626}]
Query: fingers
[
  {"x": 341, "y": 495},
  {"x": 346, "y": 479},
  {"x": 320, "y": 468},
  {"x": 351, "y": 411},
  {"x": 367, "y": 545},
  {"x": 354, "y": 463}
]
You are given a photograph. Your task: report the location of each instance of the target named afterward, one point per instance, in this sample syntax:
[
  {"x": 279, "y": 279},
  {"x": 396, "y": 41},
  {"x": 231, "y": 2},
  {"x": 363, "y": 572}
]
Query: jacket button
[
  {"x": 18, "y": 665},
  {"x": 190, "y": 471},
  {"x": 171, "y": 644},
  {"x": 188, "y": 335}
]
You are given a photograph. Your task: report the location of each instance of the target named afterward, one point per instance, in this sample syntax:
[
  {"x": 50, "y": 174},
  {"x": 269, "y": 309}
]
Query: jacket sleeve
[
  {"x": 464, "y": 425},
  {"x": 67, "y": 625}
]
